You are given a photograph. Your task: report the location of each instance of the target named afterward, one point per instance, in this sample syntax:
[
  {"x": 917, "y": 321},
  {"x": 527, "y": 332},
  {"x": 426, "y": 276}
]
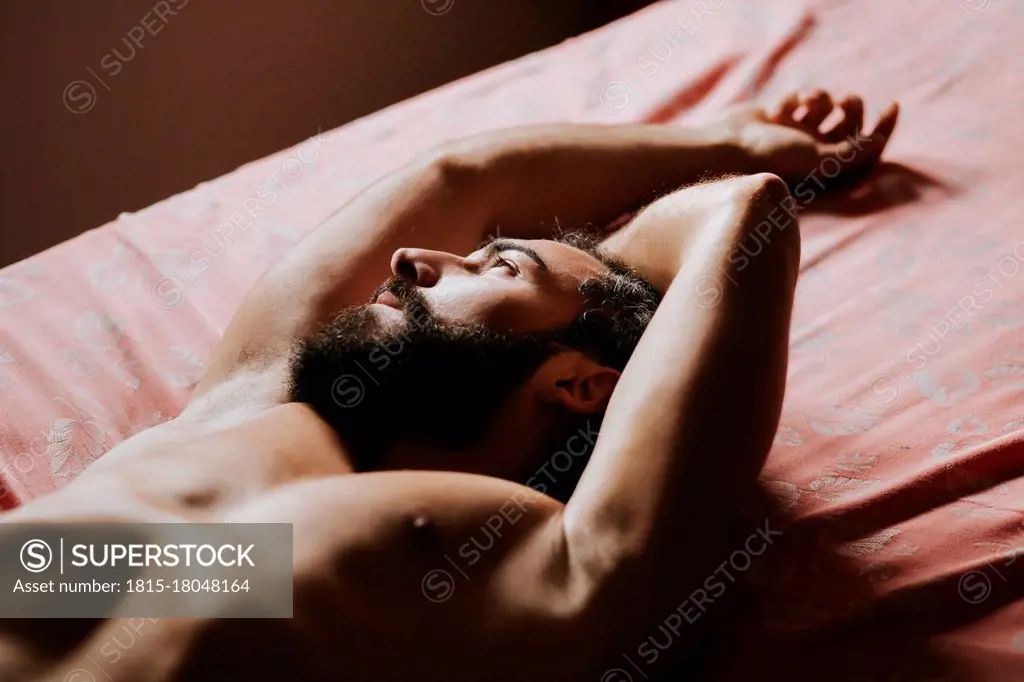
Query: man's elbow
[
  {"x": 769, "y": 229},
  {"x": 449, "y": 165},
  {"x": 768, "y": 185}
]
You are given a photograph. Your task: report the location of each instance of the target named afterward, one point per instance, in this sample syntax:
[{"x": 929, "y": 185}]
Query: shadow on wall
[{"x": 112, "y": 107}]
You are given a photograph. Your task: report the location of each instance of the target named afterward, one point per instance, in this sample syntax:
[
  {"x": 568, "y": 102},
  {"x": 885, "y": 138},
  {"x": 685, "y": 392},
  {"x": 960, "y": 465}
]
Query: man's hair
[{"x": 618, "y": 306}]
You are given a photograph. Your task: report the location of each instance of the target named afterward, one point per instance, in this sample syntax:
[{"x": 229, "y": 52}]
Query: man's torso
[{"x": 380, "y": 559}]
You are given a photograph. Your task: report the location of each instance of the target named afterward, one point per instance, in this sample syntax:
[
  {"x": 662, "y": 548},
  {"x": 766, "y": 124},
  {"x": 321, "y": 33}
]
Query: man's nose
[{"x": 422, "y": 267}]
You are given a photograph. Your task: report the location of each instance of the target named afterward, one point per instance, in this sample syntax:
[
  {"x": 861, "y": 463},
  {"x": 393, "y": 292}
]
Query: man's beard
[{"x": 428, "y": 383}]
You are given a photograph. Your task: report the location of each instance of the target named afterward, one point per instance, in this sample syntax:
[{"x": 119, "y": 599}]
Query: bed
[{"x": 897, "y": 472}]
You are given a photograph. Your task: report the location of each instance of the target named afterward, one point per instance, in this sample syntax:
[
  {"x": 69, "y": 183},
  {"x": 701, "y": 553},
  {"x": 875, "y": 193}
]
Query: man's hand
[{"x": 790, "y": 140}]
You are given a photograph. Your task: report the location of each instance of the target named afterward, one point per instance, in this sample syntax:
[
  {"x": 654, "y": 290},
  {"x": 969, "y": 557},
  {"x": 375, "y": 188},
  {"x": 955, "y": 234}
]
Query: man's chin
[{"x": 387, "y": 316}]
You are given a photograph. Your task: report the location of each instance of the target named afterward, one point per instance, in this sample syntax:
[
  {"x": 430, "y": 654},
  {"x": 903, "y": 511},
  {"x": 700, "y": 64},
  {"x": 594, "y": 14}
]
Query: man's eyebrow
[{"x": 496, "y": 246}]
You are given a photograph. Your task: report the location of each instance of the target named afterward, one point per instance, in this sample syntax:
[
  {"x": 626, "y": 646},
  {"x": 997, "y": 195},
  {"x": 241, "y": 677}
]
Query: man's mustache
[{"x": 414, "y": 303}]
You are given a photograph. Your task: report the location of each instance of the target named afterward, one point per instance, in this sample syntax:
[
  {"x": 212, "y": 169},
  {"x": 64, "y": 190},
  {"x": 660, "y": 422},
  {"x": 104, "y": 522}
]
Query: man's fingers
[
  {"x": 880, "y": 136},
  {"x": 886, "y": 125},
  {"x": 783, "y": 113},
  {"x": 860, "y": 151},
  {"x": 851, "y": 122},
  {"x": 818, "y": 105}
]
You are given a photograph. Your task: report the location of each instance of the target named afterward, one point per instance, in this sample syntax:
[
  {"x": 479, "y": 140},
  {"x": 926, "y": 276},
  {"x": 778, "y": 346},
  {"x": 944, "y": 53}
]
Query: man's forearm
[
  {"x": 660, "y": 238},
  {"x": 574, "y": 175}
]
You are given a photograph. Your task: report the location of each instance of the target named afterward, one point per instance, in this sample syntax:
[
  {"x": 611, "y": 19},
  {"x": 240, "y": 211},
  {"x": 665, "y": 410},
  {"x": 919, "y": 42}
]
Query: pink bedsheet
[{"x": 898, "y": 465}]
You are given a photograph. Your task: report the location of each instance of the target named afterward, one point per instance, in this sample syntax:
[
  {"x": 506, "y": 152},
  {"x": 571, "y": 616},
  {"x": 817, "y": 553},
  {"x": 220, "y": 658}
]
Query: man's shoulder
[
  {"x": 408, "y": 538},
  {"x": 431, "y": 513},
  {"x": 446, "y": 560}
]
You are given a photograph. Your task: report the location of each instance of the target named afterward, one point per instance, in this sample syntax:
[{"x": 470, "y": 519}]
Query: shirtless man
[{"x": 485, "y": 365}]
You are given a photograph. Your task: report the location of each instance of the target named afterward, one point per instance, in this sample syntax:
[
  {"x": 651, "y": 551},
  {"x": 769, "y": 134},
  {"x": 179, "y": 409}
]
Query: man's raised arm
[
  {"x": 524, "y": 183},
  {"x": 516, "y": 183},
  {"x": 694, "y": 413}
]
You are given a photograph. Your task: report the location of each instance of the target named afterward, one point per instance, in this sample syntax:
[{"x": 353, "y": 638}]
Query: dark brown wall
[{"x": 87, "y": 132}]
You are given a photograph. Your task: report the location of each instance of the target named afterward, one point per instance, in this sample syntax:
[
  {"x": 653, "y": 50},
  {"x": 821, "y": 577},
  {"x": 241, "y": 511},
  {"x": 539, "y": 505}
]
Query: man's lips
[{"x": 390, "y": 300}]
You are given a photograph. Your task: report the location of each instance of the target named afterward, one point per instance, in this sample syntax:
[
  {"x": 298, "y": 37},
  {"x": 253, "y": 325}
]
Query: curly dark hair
[{"x": 619, "y": 306}]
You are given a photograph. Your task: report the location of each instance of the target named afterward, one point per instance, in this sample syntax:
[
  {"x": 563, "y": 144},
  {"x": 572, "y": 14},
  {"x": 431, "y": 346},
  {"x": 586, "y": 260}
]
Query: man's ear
[{"x": 575, "y": 381}]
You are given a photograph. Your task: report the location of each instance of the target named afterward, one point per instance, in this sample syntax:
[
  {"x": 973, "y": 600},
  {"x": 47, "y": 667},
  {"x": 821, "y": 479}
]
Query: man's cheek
[{"x": 479, "y": 303}]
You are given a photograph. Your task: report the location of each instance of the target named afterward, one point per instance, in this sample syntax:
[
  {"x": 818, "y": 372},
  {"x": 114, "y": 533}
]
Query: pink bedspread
[{"x": 898, "y": 465}]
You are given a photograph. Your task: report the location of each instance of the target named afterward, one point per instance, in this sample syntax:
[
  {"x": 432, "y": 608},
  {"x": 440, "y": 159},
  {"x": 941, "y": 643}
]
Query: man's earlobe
[{"x": 576, "y": 382}]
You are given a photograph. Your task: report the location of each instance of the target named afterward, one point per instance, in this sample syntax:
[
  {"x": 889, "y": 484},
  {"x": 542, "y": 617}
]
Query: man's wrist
[{"x": 727, "y": 147}]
